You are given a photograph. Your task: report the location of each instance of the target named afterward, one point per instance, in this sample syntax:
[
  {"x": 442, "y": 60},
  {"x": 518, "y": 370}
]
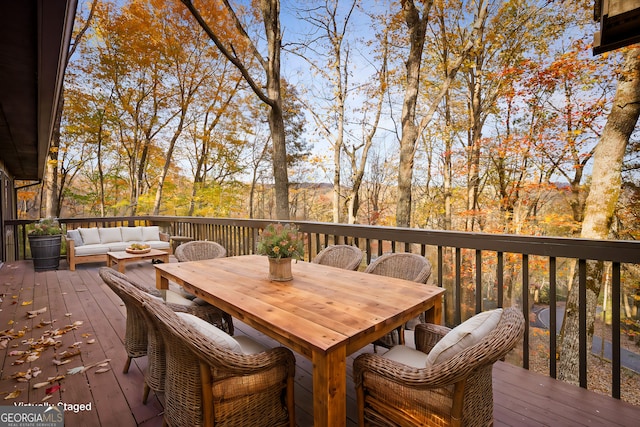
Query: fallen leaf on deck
[
  {"x": 75, "y": 344},
  {"x": 91, "y": 341},
  {"x": 76, "y": 370},
  {"x": 40, "y": 385},
  {"x": 102, "y": 370},
  {"x": 102, "y": 365},
  {"x": 44, "y": 323},
  {"x": 47, "y": 397},
  {"x": 13, "y": 394},
  {"x": 61, "y": 362},
  {"x": 67, "y": 354},
  {"x": 86, "y": 335},
  {"x": 10, "y": 322},
  {"x": 78, "y": 323},
  {"x": 27, "y": 302},
  {"x": 68, "y": 314},
  {"x": 53, "y": 389},
  {"x": 33, "y": 313}
]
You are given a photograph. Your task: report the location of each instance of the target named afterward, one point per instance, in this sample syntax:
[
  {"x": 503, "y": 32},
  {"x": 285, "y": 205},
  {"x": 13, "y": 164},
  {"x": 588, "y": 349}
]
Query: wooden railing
[{"x": 478, "y": 271}]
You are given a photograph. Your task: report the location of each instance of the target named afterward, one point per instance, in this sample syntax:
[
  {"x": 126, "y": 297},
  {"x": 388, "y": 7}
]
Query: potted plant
[
  {"x": 281, "y": 243},
  {"x": 44, "y": 239}
]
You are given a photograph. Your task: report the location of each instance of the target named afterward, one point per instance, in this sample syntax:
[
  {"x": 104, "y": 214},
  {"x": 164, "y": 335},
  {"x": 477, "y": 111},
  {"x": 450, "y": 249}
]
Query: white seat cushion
[
  {"x": 176, "y": 298},
  {"x": 95, "y": 249},
  {"x": 249, "y": 346},
  {"x": 90, "y": 236},
  {"x": 464, "y": 335},
  {"x": 407, "y": 356},
  {"x": 219, "y": 337}
]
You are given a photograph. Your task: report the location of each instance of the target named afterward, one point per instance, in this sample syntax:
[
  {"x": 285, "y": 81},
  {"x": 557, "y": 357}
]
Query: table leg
[
  {"x": 330, "y": 387},
  {"x": 162, "y": 284},
  {"x": 121, "y": 266},
  {"x": 434, "y": 314}
]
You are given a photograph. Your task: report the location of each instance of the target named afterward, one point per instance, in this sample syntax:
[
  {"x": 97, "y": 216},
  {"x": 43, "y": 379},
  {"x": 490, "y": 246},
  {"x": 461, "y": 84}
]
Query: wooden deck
[{"x": 82, "y": 308}]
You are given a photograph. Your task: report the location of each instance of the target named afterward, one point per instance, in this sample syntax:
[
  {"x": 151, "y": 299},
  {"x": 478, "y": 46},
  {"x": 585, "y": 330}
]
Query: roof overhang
[{"x": 34, "y": 42}]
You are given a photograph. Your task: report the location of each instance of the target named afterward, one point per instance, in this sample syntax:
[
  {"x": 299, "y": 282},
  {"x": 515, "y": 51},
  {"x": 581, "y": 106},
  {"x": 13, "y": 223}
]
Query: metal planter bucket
[{"x": 45, "y": 251}]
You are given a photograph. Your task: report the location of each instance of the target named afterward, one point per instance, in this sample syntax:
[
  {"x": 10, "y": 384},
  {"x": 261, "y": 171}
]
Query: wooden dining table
[{"x": 324, "y": 313}]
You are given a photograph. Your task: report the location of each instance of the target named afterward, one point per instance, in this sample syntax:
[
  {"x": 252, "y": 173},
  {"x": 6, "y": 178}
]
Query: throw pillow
[
  {"x": 90, "y": 236},
  {"x": 464, "y": 335},
  {"x": 110, "y": 235},
  {"x": 76, "y": 237},
  {"x": 150, "y": 233},
  {"x": 131, "y": 234}
]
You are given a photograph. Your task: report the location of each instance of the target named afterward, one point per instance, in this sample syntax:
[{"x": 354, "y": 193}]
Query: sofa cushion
[
  {"x": 157, "y": 244},
  {"x": 95, "y": 249},
  {"x": 76, "y": 237},
  {"x": 131, "y": 234},
  {"x": 150, "y": 233},
  {"x": 219, "y": 337},
  {"x": 464, "y": 335},
  {"x": 117, "y": 246},
  {"x": 110, "y": 235},
  {"x": 90, "y": 236}
]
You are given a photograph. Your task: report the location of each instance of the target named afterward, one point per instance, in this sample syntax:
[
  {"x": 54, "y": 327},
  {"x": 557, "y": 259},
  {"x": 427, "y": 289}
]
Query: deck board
[{"x": 521, "y": 398}]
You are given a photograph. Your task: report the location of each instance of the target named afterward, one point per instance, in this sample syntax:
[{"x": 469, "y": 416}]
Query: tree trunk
[
  {"x": 271, "y": 16},
  {"x": 417, "y": 26},
  {"x": 600, "y": 207}
]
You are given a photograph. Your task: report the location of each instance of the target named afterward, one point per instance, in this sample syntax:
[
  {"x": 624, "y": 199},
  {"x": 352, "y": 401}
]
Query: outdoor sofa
[{"x": 92, "y": 244}]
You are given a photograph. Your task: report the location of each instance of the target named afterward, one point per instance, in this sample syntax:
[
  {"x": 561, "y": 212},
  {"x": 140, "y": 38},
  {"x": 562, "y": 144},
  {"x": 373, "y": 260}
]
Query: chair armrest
[
  {"x": 71, "y": 244},
  {"x": 436, "y": 376},
  {"x": 165, "y": 237},
  {"x": 427, "y": 335}
]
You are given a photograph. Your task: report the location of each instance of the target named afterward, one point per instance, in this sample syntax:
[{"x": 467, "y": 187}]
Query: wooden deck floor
[{"x": 80, "y": 308}]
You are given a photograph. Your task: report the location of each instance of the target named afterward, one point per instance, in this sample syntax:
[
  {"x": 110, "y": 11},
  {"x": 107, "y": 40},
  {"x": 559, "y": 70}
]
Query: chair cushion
[
  {"x": 90, "y": 236},
  {"x": 464, "y": 335},
  {"x": 131, "y": 234},
  {"x": 150, "y": 233},
  {"x": 219, "y": 337},
  {"x": 407, "y": 356},
  {"x": 110, "y": 235},
  {"x": 176, "y": 298},
  {"x": 249, "y": 346},
  {"x": 76, "y": 237}
]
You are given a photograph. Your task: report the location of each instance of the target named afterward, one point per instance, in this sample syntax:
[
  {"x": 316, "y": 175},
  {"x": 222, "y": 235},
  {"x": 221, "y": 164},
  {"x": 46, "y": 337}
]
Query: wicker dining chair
[
  {"x": 199, "y": 250},
  {"x": 209, "y": 384},
  {"x": 455, "y": 391},
  {"x": 139, "y": 340},
  {"x": 400, "y": 265},
  {"x": 341, "y": 256}
]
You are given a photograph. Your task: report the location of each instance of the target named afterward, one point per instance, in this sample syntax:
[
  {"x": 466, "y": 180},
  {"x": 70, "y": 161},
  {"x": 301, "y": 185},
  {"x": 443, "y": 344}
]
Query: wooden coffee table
[{"x": 122, "y": 258}]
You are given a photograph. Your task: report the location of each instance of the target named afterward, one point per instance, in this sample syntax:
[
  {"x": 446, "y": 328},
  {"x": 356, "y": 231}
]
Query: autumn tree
[
  {"x": 230, "y": 36},
  {"x": 600, "y": 207},
  {"x": 416, "y": 17},
  {"x": 53, "y": 185}
]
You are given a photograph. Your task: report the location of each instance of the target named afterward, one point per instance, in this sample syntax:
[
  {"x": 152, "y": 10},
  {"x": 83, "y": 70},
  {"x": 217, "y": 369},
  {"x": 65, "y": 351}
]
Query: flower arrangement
[
  {"x": 281, "y": 241},
  {"x": 46, "y": 227}
]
